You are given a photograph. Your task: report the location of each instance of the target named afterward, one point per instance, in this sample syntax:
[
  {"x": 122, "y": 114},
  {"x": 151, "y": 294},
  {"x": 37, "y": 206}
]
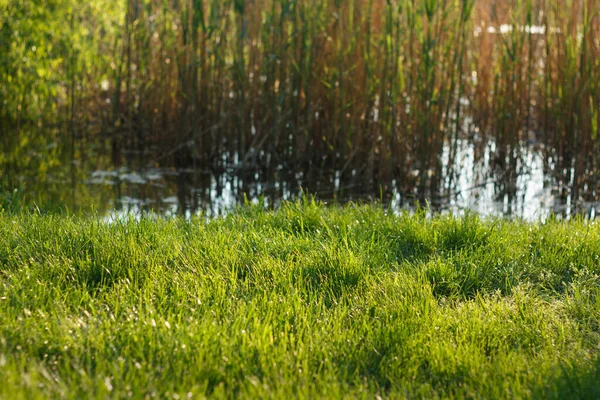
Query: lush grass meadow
[
  {"x": 304, "y": 302},
  {"x": 308, "y": 300}
]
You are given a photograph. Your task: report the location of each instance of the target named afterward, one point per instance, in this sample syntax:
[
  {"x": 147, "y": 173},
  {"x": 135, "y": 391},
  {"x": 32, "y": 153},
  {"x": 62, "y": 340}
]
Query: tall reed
[{"x": 372, "y": 89}]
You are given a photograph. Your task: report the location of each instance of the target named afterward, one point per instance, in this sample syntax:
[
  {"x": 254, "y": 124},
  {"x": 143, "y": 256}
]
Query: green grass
[{"x": 305, "y": 302}]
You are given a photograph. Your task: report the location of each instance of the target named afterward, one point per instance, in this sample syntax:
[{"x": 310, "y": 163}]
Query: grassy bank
[{"x": 307, "y": 301}]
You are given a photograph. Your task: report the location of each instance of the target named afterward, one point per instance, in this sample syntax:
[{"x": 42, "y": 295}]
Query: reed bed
[{"x": 371, "y": 89}]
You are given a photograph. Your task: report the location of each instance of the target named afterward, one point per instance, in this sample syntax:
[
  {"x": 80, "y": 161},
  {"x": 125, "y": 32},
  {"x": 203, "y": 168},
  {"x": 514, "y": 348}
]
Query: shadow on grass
[{"x": 573, "y": 382}]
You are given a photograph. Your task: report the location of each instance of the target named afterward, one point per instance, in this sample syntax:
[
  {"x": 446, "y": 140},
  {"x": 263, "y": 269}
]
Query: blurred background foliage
[{"x": 376, "y": 90}]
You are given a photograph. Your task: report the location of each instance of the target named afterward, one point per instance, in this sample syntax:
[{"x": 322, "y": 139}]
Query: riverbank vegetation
[
  {"x": 307, "y": 301},
  {"x": 380, "y": 91}
]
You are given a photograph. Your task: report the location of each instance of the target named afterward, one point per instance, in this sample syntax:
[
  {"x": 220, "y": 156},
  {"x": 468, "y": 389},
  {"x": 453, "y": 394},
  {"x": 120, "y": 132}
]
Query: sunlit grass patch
[{"x": 306, "y": 301}]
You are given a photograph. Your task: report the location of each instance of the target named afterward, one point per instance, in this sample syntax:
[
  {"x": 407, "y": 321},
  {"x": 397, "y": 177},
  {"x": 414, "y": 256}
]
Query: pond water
[{"x": 120, "y": 183}]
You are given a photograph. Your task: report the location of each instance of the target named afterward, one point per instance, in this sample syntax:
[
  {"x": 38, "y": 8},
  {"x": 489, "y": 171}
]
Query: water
[{"x": 121, "y": 183}]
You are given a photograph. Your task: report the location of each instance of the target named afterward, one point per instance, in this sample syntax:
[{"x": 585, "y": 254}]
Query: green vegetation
[
  {"x": 373, "y": 88},
  {"x": 306, "y": 301}
]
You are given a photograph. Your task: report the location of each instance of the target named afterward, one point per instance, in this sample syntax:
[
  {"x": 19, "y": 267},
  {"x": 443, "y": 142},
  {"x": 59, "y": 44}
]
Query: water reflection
[{"x": 475, "y": 174}]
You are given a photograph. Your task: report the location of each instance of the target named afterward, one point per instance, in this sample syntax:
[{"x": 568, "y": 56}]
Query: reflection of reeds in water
[{"x": 369, "y": 88}]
